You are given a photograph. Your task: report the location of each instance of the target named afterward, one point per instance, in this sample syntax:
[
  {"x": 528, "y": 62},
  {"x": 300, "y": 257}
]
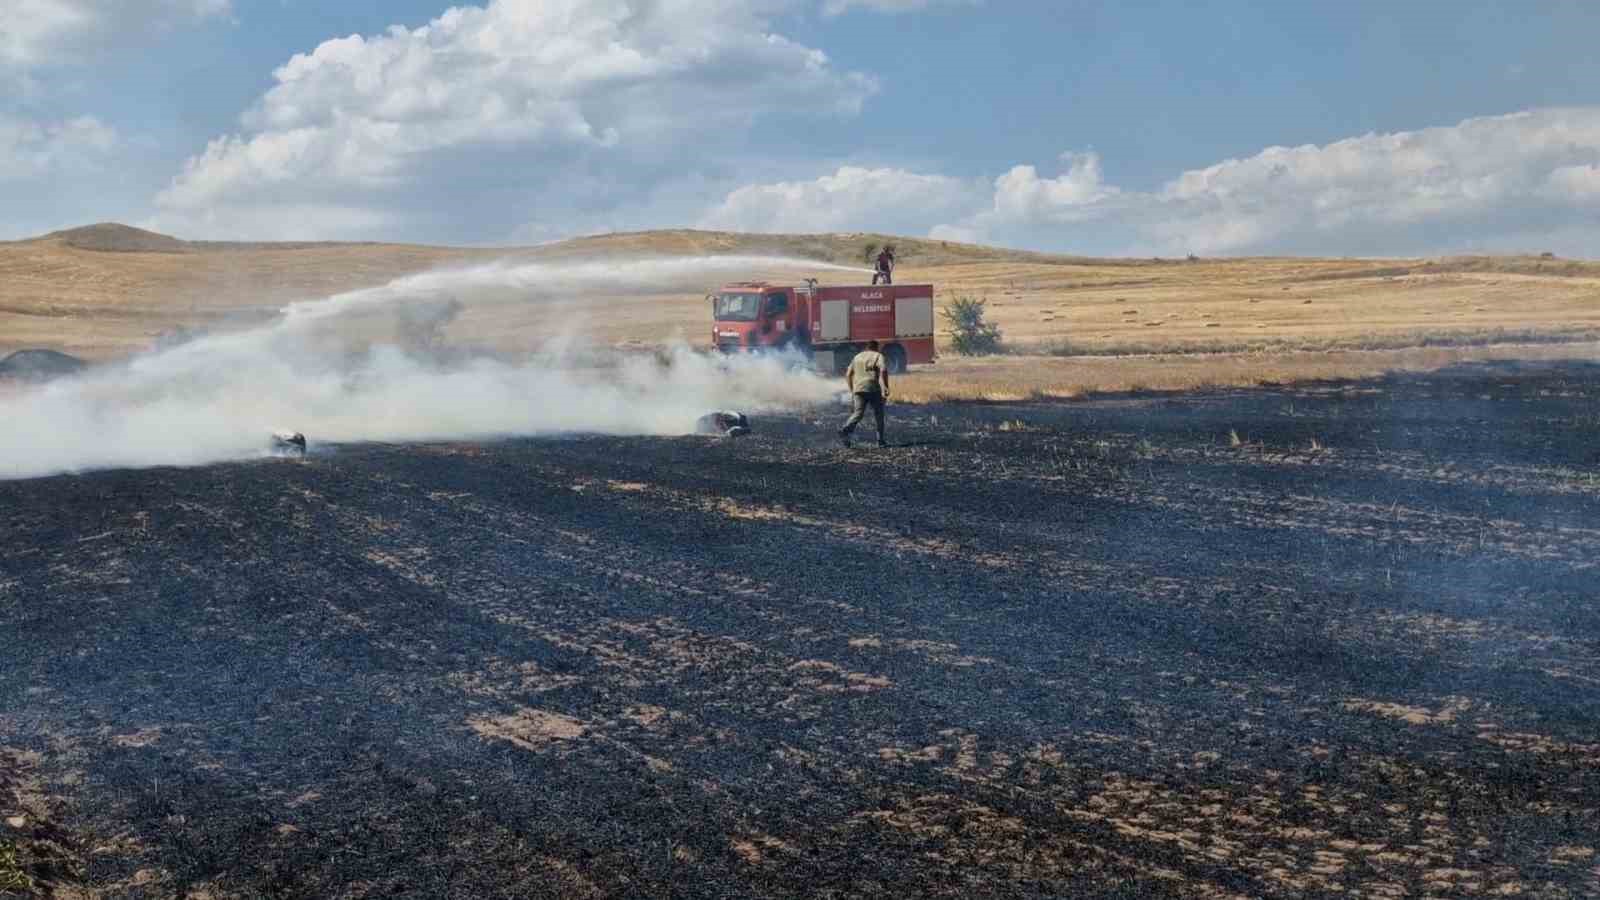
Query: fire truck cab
[{"x": 829, "y": 324}]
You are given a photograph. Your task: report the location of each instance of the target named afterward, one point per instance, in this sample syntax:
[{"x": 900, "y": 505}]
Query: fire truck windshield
[{"x": 736, "y": 307}]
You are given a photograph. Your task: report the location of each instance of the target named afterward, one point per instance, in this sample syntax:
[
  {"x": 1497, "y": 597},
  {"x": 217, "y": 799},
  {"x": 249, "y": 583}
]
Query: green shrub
[{"x": 970, "y": 335}]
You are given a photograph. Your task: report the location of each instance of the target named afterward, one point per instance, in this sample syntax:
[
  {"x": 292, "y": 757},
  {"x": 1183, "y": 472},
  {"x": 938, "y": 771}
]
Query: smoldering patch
[{"x": 379, "y": 365}]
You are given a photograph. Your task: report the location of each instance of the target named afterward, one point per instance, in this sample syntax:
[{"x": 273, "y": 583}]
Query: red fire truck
[{"x": 828, "y": 323}]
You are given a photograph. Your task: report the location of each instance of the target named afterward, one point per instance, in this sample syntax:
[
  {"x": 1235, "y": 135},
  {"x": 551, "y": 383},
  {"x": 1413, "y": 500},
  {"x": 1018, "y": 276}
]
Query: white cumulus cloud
[
  {"x": 48, "y": 32},
  {"x": 61, "y": 166},
  {"x": 839, "y": 7},
  {"x": 29, "y": 149},
  {"x": 1529, "y": 180},
  {"x": 1467, "y": 183},
  {"x": 1021, "y": 195},
  {"x": 55, "y": 173},
  {"x": 519, "y": 101},
  {"x": 891, "y": 199}
]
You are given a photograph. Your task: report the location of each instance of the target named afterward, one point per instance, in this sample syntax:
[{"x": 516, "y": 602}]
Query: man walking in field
[{"x": 868, "y": 380}]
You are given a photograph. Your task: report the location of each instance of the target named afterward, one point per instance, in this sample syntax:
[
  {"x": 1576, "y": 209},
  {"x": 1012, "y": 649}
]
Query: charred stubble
[{"x": 1036, "y": 649}]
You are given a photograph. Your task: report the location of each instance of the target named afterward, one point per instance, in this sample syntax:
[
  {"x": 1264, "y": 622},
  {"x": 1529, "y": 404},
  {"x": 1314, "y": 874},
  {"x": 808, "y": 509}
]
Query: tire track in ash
[
  {"x": 1333, "y": 595},
  {"x": 1319, "y": 862},
  {"x": 750, "y": 846}
]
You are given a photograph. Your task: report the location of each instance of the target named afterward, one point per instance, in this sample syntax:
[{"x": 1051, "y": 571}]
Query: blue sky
[{"x": 1129, "y": 128}]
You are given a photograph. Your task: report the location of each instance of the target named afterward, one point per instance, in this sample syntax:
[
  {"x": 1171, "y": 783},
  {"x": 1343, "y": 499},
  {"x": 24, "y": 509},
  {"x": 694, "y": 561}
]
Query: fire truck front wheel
[{"x": 896, "y": 356}]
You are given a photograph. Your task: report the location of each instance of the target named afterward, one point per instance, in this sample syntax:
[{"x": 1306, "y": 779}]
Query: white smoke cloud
[{"x": 220, "y": 397}]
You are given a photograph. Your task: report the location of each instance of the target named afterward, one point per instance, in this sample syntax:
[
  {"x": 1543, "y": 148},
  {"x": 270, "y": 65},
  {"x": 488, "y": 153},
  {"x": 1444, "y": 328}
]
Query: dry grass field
[
  {"x": 107, "y": 291},
  {"x": 1247, "y": 304}
]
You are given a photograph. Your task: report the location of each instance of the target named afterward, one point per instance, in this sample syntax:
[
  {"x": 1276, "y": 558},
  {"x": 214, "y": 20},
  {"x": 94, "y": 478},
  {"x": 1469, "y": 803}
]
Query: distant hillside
[
  {"x": 840, "y": 248},
  {"x": 112, "y": 237},
  {"x": 846, "y": 248}
]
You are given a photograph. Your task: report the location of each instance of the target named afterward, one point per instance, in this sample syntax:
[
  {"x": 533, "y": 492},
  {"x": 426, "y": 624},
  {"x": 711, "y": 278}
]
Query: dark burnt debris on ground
[
  {"x": 1084, "y": 649},
  {"x": 723, "y": 423},
  {"x": 39, "y": 365}
]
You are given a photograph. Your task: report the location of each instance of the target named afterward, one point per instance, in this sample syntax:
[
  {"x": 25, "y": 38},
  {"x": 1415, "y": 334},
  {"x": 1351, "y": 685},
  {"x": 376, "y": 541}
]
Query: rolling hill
[{"x": 107, "y": 290}]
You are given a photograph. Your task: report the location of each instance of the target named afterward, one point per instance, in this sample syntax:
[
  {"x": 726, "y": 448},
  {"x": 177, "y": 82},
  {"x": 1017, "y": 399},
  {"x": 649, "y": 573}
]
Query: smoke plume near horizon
[{"x": 316, "y": 369}]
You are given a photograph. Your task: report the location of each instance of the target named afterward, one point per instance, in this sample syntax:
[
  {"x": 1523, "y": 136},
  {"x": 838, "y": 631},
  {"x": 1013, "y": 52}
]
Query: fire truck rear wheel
[
  {"x": 842, "y": 357},
  {"x": 896, "y": 356}
]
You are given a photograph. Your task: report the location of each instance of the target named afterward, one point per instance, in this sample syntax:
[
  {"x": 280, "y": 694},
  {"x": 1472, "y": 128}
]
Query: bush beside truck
[{"x": 970, "y": 333}]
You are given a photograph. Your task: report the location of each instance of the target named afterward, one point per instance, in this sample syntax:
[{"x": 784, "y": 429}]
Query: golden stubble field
[{"x": 1080, "y": 324}]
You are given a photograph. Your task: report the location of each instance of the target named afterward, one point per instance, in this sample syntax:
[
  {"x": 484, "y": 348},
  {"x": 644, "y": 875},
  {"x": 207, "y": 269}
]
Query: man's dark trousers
[{"x": 862, "y": 401}]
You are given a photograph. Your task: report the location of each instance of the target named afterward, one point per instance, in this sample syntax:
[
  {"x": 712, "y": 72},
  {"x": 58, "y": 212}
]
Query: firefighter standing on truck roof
[
  {"x": 868, "y": 380},
  {"x": 885, "y": 266}
]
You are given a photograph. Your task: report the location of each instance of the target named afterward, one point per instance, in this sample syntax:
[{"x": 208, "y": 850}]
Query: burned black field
[{"x": 1291, "y": 642}]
